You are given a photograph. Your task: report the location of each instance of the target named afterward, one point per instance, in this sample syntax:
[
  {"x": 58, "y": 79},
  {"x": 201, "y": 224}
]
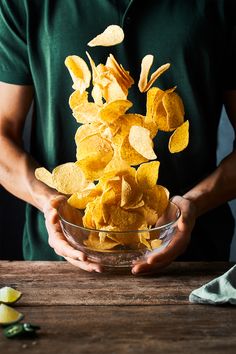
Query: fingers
[
  {"x": 145, "y": 268},
  {"x": 60, "y": 245},
  {"x": 177, "y": 245},
  {"x": 55, "y": 202},
  {"x": 56, "y": 238},
  {"x": 88, "y": 266},
  {"x": 58, "y": 241}
]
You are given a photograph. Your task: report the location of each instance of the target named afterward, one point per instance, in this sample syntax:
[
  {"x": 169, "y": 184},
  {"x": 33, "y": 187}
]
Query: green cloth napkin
[{"x": 218, "y": 291}]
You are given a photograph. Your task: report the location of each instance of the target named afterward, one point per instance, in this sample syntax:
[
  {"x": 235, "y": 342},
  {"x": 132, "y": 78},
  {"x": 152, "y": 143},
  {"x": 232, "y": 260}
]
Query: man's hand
[
  {"x": 58, "y": 241},
  {"x": 178, "y": 244}
]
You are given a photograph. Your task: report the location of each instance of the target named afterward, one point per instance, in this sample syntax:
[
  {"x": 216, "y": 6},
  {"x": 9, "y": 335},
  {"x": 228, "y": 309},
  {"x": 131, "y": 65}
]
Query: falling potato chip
[
  {"x": 86, "y": 130},
  {"x": 97, "y": 146},
  {"x": 139, "y": 139},
  {"x": 145, "y": 68},
  {"x": 68, "y": 178},
  {"x": 174, "y": 108},
  {"x": 117, "y": 166},
  {"x": 43, "y": 175},
  {"x": 80, "y": 200},
  {"x": 92, "y": 168},
  {"x": 156, "y": 74},
  {"x": 129, "y": 154},
  {"x": 123, "y": 77},
  {"x": 79, "y": 72},
  {"x": 147, "y": 174},
  {"x": 144, "y": 85},
  {"x": 112, "y": 111},
  {"x": 112, "y": 35},
  {"x": 180, "y": 138},
  {"x": 165, "y": 110},
  {"x": 86, "y": 112},
  {"x": 156, "y": 198},
  {"x": 124, "y": 124},
  {"x": 76, "y": 98}
]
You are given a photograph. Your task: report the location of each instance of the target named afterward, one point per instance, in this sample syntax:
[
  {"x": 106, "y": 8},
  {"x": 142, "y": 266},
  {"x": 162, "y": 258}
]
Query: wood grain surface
[{"x": 83, "y": 312}]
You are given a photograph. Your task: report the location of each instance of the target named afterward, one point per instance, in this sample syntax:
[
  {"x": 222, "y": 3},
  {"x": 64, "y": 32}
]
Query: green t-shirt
[{"x": 198, "y": 38}]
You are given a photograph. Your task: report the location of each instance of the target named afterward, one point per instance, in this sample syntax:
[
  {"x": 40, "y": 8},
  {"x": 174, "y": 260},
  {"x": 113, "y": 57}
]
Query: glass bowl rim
[{"x": 125, "y": 231}]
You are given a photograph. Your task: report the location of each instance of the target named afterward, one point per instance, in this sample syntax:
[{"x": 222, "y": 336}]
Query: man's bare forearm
[
  {"x": 217, "y": 188},
  {"x": 16, "y": 166},
  {"x": 17, "y": 174}
]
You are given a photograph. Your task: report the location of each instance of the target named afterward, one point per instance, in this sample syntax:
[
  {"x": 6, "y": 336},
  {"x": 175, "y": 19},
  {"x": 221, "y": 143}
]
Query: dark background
[{"x": 12, "y": 209}]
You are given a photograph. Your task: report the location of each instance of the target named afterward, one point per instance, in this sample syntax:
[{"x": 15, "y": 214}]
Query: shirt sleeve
[{"x": 14, "y": 60}]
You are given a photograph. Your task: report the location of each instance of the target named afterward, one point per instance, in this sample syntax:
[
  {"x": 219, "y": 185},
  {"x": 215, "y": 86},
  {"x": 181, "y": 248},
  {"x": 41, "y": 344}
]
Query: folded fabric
[{"x": 218, "y": 291}]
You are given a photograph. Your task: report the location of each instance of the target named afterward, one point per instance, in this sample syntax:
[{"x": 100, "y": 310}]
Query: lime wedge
[
  {"x": 8, "y": 315},
  {"x": 9, "y": 295}
]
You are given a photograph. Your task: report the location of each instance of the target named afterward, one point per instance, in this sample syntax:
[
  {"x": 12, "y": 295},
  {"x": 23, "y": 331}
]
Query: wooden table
[{"x": 95, "y": 313}]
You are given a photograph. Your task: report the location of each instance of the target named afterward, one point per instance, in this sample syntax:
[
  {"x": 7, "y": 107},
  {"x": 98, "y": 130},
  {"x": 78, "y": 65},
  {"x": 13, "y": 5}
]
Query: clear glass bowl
[{"x": 129, "y": 250}]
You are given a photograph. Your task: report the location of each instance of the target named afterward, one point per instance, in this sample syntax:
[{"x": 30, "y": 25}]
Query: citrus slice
[
  {"x": 8, "y": 315},
  {"x": 9, "y": 295}
]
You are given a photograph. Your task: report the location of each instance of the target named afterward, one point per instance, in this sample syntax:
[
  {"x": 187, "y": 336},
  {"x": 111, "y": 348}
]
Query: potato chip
[
  {"x": 129, "y": 154},
  {"x": 68, "y": 178},
  {"x": 174, "y": 108},
  {"x": 97, "y": 146},
  {"x": 156, "y": 198},
  {"x": 92, "y": 168},
  {"x": 139, "y": 139},
  {"x": 144, "y": 85},
  {"x": 112, "y": 191},
  {"x": 147, "y": 174},
  {"x": 145, "y": 68},
  {"x": 80, "y": 200},
  {"x": 126, "y": 192},
  {"x": 94, "y": 243},
  {"x": 150, "y": 214},
  {"x": 113, "y": 110},
  {"x": 165, "y": 110},
  {"x": 86, "y": 112},
  {"x": 79, "y": 72},
  {"x": 43, "y": 175},
  {"x": 180, "y": 138},
  {"x": 113, "y": 91},
  {"x": 125, "y": 219},
  {"x": 123, "y": 77},
  {"x": 131, "y": 194},
  {"x": 156, "y": 243},
  {"x": 87, "y": 130},
  {"x": 143, "y": 240},
  {"x": 76, "y": 98},
  {"x": 112, "y": 35},
  {"x": 118, "y": 166},
  {"x": 156, "y": 74},
  {"x": 124, "y": 123}
]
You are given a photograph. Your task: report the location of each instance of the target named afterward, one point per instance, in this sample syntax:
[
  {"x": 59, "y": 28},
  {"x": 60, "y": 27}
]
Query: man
[{"x": 198, "y": 38}]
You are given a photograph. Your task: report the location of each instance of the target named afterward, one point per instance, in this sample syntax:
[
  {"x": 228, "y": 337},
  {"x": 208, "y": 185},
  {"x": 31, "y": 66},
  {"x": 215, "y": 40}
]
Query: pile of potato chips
[{"x": 114, "y": 195}]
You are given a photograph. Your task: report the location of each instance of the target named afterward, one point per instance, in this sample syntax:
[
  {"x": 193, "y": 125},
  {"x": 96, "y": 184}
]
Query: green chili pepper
[{"x": 20, "y": 329}]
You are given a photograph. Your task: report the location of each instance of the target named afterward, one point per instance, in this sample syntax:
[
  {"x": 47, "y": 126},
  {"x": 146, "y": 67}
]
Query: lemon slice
[
  {"x": 8, "y": 315},
  {"x": 9, "y": 295}
]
